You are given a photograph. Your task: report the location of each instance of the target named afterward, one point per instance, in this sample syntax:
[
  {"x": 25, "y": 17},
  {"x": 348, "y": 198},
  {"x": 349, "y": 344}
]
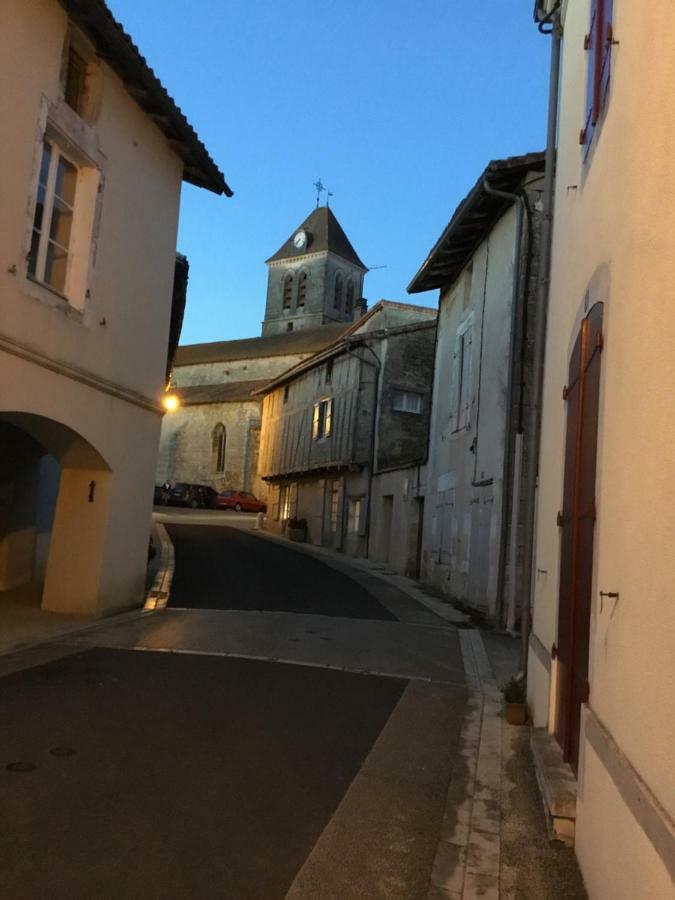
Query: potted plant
[
  {"x": 296, "y": 529},
  {"x": 514, "y": 701}
]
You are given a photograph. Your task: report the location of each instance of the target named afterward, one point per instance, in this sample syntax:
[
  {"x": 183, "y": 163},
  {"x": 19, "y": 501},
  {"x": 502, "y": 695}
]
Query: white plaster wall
[
  {"x": 614, "y": 241},
  {"x": 461, "y": 550},
  {"x": 405, "y": 486}
]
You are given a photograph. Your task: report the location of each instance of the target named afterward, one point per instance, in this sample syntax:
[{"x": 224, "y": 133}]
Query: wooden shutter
[
  {"x": 605, "y": 37},
  {"x": 466, "y": 380},
  {"x": 590, "y": 43},
  {"x": 328, "y": 422},
  {"x": 315, "y": 422},
  {"x": 454, "y": 383},
  {"x": 598, "y": 44}
]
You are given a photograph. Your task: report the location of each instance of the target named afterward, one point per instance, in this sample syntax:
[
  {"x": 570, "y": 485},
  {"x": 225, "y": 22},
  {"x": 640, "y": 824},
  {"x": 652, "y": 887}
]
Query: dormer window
[
  {"x": 349, "y": 305},
  {"x": 337, "y": 298},
  {"x": 302, "y": 288},
  {"x": 288, "y": 291},
  {"x": 76, "y": 74}
]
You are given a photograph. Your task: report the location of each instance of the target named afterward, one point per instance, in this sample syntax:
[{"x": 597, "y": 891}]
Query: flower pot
[
  {"x": 516, "y": 713},
  {"x": 296, "y": 534}
]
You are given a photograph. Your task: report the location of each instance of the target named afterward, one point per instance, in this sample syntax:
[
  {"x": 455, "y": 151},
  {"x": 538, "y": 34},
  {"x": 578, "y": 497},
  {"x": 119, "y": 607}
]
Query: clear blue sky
[{"x": 396, "y": 105}]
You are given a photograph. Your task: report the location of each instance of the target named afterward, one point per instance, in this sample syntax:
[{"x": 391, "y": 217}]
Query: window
[
  {"x": 288, "y": 291},
  {"x": 302, "y": 288},
  {"x": 289, "y": 326},
  {"x": 76, "y": 74},
  {"x": 323, "y": 416},
  {"x": 337, "y": 297},
  {"x": 407, "y": 401},
  {"x": 349, "y": 304},
  {"x": 329, "y": 371},
  {"x": 461, "y": 376},
  {"x": 354, "y": 515},
  {"x": 52, "y": 224},
  {"x": 288, "y": 501},
  {"x": 334, "y": 505},
  {"x": 598, "y": 45},
  {"x": 218, "y": 448}
]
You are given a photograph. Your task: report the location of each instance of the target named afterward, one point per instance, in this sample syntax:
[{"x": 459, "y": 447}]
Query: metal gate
[{"x": 577, "y": 522}]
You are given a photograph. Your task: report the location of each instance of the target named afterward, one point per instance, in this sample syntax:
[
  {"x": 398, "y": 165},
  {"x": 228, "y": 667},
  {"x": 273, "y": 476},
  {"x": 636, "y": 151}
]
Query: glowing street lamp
[{"x": 170, "y": 403}]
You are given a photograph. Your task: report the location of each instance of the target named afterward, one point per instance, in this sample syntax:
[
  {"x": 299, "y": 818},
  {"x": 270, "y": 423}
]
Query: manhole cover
[{"x": 21, "y": 767}]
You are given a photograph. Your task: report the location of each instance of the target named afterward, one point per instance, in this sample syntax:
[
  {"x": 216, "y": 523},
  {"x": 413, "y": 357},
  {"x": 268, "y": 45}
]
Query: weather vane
[{"x": 319, "y": 190}]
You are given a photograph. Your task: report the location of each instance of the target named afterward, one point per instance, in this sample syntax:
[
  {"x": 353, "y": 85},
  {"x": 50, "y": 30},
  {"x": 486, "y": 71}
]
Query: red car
[{"x": 242, "y": 501}]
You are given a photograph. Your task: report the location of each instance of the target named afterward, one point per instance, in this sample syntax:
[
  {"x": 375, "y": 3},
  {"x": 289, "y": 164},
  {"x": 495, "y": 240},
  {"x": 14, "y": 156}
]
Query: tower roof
[{"x": 324, "y": 233}]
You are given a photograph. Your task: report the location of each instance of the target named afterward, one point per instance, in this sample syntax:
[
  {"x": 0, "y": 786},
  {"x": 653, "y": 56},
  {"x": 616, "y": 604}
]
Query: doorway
[{"x": 577, "y": 524}]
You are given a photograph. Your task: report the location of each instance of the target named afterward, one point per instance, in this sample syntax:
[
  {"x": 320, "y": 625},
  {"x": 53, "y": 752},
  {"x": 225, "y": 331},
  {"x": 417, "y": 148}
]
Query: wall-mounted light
[{"x": 170, "y": 402}]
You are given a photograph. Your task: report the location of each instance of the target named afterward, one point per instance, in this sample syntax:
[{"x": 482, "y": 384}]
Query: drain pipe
[
  {"x": 513, "y": 461},
  {"x": 527, "y": 588}
]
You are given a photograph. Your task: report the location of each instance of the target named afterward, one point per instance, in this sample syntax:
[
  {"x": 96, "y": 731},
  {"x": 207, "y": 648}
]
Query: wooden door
[{"x": 577, "y": 522}]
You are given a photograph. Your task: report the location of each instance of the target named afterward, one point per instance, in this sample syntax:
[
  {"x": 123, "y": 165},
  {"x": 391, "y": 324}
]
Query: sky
[{"x": 396, "y": 105}]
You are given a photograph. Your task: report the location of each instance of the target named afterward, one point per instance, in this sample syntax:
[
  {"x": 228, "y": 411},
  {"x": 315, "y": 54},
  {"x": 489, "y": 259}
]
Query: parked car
[
  {"x": 242, "y": 501},
  {"x": 196, "y": 496}
]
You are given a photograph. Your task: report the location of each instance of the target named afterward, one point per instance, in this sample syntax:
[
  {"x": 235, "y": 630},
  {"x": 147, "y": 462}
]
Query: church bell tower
[{"x": 315, "y": 278}]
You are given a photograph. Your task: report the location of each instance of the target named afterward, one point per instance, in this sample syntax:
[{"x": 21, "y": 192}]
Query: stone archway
[{"x": 54, "y": 504}]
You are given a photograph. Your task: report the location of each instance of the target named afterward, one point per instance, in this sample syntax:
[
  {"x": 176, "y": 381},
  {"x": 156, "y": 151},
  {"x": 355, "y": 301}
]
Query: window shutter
[
  {"x": 454, "y": 381},
  {"x": 315, "y": 422},
  {"x": 329, "y": 418},
  {"x": 591, "y": 45},
  {"x": 605, "y": 36},
  {"x": 467, "y": 385}
]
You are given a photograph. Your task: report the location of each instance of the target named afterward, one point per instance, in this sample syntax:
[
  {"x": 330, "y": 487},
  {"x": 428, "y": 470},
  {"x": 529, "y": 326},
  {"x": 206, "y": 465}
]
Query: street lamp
[{"x": 170, "y": 402}]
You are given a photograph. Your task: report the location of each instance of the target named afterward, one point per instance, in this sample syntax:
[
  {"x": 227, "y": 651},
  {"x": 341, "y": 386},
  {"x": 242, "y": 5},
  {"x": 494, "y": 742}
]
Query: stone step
[{"x": 557, "y": 783}]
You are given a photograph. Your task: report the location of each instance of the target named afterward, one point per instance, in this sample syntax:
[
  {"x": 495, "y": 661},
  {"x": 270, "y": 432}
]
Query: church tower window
[
  {"x": 302, "y": 288},
  {"x": 337, "y": 297},
  {"x": 218, "y": 448},
  {"x": 288, "y": 291},
  {"x": 349, "y": 304}
]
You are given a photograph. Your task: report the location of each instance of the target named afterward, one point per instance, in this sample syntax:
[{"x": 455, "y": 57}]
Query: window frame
[
  {"x": 407, "y": 393},
  {"x": 322, "y": 419},
  {"x": 218, "y": 448},
  {"x": 354, "y": 514}
]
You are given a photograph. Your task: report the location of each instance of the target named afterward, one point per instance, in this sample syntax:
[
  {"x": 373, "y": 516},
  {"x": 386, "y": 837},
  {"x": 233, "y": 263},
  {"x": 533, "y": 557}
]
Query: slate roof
[
  {"x": 199, "y": 394},
  {"x": 309, "y": 340},
  {"x": 115, "y": 47},
  {"x": 472, "y": 221},
  {"x": 325, "y": 233}
]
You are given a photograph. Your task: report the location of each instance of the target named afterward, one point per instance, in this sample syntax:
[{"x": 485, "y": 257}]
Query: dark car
[
  {"x": 242, "y": 501},
  {"x": 196, "y": 496}
]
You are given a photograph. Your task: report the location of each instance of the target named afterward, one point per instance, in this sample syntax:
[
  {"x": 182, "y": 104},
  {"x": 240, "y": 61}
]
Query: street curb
[
  {"x": 158, "y": 595},
  {"x": 468, "y": 859}
]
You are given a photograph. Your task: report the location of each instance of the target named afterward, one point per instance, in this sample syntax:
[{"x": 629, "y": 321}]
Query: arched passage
[{"x": 54, "y": 504}]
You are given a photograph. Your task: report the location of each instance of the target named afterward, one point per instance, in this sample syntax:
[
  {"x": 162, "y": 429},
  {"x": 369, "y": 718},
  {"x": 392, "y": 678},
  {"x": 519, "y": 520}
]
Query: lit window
[
  {"x": 52, "y": 224},
  {"x": 302, "y": 288},
  {"x": 218, "y": 448},
  {"x": 407, "y": 401},
  {"x": 337, "y": 297},
  {"x": 288, "y": 500},
  {"x": 323, "y": 419},
  {"x": 288, "y": 291},
  {"x": 76, "y": 74},
  {"x": 349, "y": 304},
  {"x": 354, "y": 515}
]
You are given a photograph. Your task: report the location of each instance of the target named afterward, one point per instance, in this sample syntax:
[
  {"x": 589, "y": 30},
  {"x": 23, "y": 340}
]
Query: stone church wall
[
  {"x": 235, "y": 370},
  {"x": 186, "y": 447}
]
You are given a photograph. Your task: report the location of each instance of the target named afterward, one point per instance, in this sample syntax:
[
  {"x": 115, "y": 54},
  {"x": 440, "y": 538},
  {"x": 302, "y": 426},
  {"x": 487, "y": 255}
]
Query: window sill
[{"x": 49, "y": 296}]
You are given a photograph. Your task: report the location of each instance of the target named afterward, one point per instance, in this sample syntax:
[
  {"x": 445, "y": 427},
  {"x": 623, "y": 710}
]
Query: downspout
[
  {"x": 527, "y": 588},
  {"x": 513, "y": 460}
]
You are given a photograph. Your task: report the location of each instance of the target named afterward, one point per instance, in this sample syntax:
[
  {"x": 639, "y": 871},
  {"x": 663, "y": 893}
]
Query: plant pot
[
  {"x": 516, "y": 713},
  {"x": 296, "y": 534}
]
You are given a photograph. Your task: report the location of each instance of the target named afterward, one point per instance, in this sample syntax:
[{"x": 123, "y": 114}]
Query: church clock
[{"x": 300, "y": 240}]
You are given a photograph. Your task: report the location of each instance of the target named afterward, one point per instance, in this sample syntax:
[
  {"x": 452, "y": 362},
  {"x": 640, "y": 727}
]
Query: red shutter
[
  {"x": 590, "y": 43},
  {"x": 598, "y": 44},
  {"x": 605, "y": 37}
]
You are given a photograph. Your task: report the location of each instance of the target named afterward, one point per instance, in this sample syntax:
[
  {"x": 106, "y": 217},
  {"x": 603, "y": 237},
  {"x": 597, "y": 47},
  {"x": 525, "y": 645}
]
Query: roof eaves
[
  {"x": 475, "y": 216},
  {"x": 117, "y": 49}
]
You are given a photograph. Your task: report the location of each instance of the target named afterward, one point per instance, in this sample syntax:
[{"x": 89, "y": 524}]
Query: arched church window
[
  {"x": 337, "y": 299},
  {"x": 349, "y": 303},
  {"x": 302, "y": 288},
  {"x": 288, "y": 290},
  {"x": 218, "y": 448}
]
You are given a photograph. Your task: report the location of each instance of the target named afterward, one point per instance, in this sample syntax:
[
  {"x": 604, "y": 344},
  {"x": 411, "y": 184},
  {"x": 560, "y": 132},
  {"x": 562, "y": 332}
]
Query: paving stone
[
  {"x": 483, "y": 853},
  {"x": 455, "y": 832},
  {"x": 448, "y": 870},
  {"x": 439, "y": 894},
  {"x": 477, "y": 886},
  {"x": 486, "y": 815}
]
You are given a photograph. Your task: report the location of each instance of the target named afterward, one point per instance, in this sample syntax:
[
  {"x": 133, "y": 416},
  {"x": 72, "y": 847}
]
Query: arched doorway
[{"x": 54, "y": 501}]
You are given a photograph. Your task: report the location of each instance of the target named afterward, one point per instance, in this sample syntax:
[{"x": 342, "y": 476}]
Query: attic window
[{"x": 76, "y": 74}]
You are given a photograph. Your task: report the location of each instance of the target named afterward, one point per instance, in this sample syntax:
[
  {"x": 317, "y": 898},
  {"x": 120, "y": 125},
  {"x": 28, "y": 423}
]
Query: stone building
[
  {"x": 485, "y": 265},
  {"x": 344, "y": 437},
  {"x": 315, "y": 285},
  {"x": 95, "y": 152}
]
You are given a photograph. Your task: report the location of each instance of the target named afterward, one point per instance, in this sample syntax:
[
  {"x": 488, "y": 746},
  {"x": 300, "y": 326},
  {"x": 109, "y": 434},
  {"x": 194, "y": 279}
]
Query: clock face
[{"x": 300, "y": 240}]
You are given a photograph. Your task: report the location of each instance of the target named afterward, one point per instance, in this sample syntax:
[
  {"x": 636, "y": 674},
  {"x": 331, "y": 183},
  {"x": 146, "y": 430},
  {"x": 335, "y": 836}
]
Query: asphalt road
[
  {"x": 227, "y": 568},
  {"x": 170, "y": 775}
]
